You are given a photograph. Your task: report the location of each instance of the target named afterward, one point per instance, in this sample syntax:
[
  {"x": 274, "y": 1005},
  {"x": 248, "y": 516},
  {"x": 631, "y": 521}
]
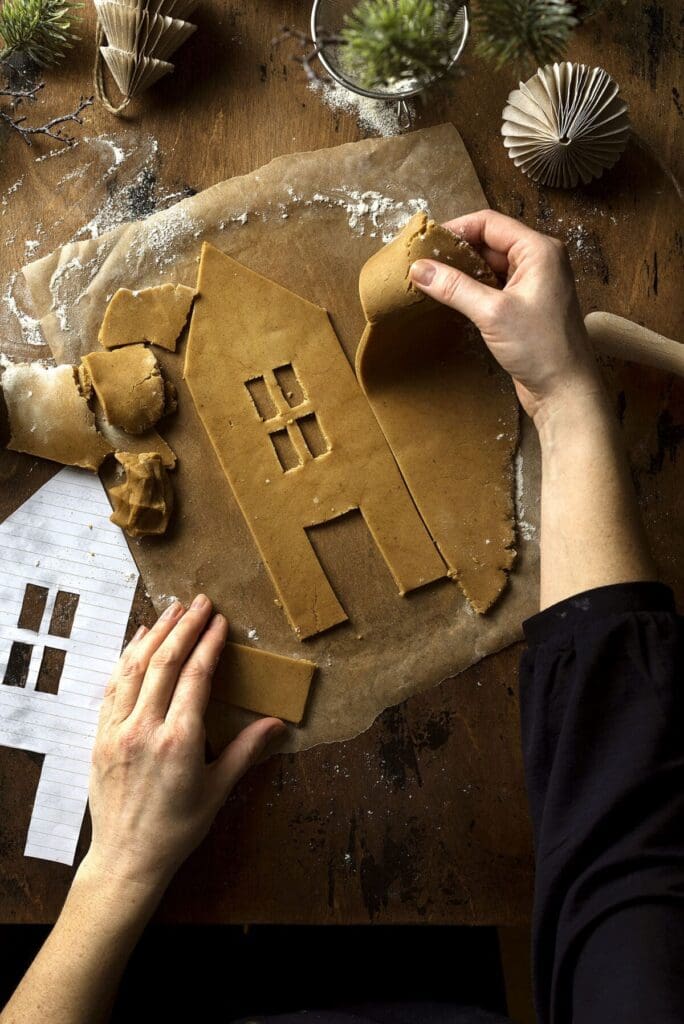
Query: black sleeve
[{"x": 601, "y": 691}]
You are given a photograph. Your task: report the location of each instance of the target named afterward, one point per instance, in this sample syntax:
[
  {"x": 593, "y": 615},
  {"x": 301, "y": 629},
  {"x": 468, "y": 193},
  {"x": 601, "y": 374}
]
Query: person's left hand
[{"x": 152, "y": 795}]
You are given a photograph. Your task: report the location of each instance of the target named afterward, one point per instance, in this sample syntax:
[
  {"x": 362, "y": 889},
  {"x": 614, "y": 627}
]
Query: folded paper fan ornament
[
  {"x": 141, "y": 36},
  {"x": 565, "y": 125}
]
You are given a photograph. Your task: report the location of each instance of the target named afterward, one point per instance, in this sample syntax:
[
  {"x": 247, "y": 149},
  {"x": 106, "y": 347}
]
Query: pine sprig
[
  {"x": 387, "y": 42},
  {"x": 513, "y": 31},
  {"x": 40, "y": 31}
]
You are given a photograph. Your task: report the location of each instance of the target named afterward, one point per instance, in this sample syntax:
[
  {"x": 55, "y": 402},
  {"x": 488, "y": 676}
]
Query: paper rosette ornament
[
  {"x": 141, "y": 36},
  {"x": 566, "y": 124}
]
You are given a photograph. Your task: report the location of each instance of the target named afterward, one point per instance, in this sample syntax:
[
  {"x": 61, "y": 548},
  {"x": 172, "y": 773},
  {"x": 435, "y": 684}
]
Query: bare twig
[
  {"x": 314, "y": 50},
  {"x": 52, "y": 129}
]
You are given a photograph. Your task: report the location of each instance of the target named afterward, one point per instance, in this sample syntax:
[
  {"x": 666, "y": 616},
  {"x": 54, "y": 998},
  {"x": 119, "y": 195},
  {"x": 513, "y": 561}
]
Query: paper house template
[{"x": 66, "y": 589}]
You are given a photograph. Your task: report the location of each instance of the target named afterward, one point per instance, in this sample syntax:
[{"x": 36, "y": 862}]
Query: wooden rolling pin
[{"x": 614, "y": 336}]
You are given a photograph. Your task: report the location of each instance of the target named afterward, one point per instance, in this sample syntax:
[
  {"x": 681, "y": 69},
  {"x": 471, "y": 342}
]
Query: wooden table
[{"x": 423, "y": 817}]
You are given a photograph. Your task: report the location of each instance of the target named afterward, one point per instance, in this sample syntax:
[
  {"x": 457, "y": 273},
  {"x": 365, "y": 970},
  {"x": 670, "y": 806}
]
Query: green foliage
[
  {"x": 390, "y": 41},
  {"x": 512, "y": 31},
  {"x": 38, "y": 30}
]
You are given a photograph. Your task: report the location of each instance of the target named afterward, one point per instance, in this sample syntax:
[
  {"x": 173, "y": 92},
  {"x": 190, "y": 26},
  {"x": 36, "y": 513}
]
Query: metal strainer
[{"x": 327, "y": 22}]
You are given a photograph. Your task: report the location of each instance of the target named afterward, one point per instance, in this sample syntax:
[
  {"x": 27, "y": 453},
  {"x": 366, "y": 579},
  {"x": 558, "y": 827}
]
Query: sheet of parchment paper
[{"x": 308, "y": 221}]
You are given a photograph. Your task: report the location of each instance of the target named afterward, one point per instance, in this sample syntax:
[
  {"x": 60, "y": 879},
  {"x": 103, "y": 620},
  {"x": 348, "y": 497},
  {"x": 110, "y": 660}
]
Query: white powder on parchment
[
  {"x": 29, "y": 327},
  {"x": 174, "y": 224},
  {"x": 382, "y": 215}
]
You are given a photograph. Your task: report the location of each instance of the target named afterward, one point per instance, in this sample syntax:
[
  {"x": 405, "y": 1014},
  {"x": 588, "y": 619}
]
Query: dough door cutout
[
  {"x": 449, "y": 413},
  {"x": 295, "y": 436}
]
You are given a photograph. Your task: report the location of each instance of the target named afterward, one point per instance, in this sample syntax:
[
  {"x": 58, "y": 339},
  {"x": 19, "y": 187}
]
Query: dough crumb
[{"x": 143, "y": 502}]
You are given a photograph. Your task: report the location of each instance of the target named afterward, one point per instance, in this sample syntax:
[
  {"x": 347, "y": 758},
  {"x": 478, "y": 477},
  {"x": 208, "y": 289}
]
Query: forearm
[
  {"x": 74, "y": 978},
  {"x": 591, "y": 530}
]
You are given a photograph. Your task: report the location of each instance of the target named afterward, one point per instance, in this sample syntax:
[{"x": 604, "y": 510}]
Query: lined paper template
[{"x": 61, "y": 540}]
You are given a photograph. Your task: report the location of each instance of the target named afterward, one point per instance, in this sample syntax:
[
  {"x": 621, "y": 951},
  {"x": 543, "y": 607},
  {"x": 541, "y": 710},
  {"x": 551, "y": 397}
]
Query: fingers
[
  {"x": 109, "y": 696},
  {"x": 455, "y": 289},
  {"x": 130, "y": 671},
  {"x": 166, "y": 662},
  {"x": 243, "y": 752},
  {"x": 191, "y": 695},
  {"x": 492, "y": 230}
]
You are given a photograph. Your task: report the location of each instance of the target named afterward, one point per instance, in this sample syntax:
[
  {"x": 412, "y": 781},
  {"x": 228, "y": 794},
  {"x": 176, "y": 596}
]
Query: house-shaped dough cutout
[{"x": 295, "y": 436}]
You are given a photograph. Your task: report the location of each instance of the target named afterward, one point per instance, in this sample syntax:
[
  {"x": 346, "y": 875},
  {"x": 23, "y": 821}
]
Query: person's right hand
[{"x": 533, "y": 327}]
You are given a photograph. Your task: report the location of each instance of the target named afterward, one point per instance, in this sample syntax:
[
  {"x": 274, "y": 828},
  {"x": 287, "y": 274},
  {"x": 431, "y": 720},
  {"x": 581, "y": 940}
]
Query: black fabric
[
  {"x": 601, "y": 691},
  {"x": 387, "y": 1013},
  {"x": 601, "y": 696}
]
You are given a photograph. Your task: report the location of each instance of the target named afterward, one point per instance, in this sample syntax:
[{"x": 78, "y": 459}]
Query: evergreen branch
[
  {"x": 512, "y": 31},
  {"x": 38, "y": 30}
]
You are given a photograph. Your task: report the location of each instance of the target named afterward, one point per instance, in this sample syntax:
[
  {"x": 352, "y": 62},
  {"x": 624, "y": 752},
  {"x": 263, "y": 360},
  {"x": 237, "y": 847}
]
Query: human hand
[
  {"x": 152, "y": 795},
  {"x": 533, "y": 327}
]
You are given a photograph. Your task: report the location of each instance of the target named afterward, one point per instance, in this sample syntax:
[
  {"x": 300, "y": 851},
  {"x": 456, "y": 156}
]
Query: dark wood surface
[{"x": 423, "y": 817}]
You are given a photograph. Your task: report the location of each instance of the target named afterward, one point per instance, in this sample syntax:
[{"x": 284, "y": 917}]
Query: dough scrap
[
  {"x": 129, "y": 386},
  {"x": 295, "y": 437},
  {"x": 447, "y": 410},
  {"x": 49, "y": 417},
  {"x": 143, "y": 502},
  {"x": 268, "y": 684},
  {"x": 156, "y": 314}
]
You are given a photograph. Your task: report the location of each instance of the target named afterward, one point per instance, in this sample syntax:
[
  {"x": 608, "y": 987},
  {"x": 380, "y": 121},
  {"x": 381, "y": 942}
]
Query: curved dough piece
[
  {"x": 156, "y": 314},
  {"x": 143, "y": 502},
  {"x": 129, "y": 386},
  {"x": 447, "y": 410},
  {"x": 49, "y": 416}
]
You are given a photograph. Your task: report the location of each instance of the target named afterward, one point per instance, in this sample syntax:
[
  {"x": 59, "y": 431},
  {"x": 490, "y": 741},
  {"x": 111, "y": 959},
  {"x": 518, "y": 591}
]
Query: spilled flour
[
  {"x": 377, "y": 117},
  {"x": 526, "y": 529},
  {"x": 370, "y": 212}
]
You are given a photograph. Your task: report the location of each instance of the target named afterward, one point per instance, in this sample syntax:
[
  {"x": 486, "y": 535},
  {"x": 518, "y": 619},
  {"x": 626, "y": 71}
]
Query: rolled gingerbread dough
[
  {"x": 156, "y": 314},
  {"x": 448, "y": 411},
  {"x": 49, "y": 417},
  {"x": 129, "y": 386}
]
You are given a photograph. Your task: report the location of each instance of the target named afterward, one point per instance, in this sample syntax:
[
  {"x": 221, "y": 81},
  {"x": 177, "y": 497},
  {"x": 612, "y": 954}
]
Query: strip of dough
[
  {"x": 269, "y": 684},
  {"x": 49, "y": 416},
  {"x": 448, "y": 411},
  {"x": 156, "y": 314}
]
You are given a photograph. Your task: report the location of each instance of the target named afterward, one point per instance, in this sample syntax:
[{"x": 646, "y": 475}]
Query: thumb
[
  {"x": 453, "y": 288},
  {"x": 244, "y": 752}
]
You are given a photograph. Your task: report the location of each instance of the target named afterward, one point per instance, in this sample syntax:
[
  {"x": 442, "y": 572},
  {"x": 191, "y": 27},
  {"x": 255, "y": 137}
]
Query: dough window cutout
[
  {"x": 35, "y": 606},
  {"x": 263, "y": 403},
  {"x": 286, "y": 453},
  {"x": 301, "y": 440},
  {"x": 290, "y": 385}
]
